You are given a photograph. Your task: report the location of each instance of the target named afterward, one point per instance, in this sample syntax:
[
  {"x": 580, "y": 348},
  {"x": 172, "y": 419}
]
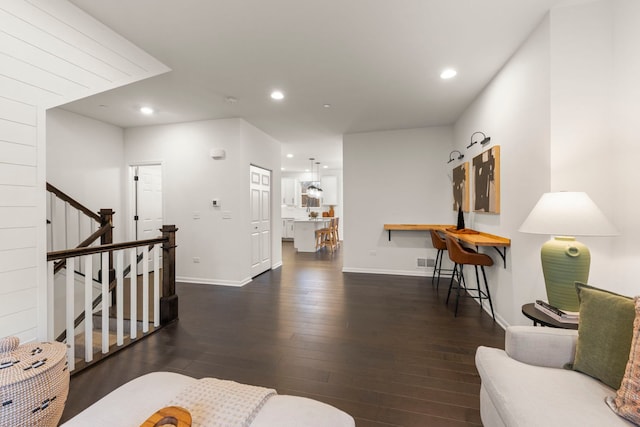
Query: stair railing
[
  {"x": 69, "y": 220},
  {"x": 98, "y": 300},
  {"x": 165, "y": 300}
]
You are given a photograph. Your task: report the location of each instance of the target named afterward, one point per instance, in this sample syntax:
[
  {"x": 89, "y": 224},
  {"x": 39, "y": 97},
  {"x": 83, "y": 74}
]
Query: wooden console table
[{"x": 476, "y": 239}]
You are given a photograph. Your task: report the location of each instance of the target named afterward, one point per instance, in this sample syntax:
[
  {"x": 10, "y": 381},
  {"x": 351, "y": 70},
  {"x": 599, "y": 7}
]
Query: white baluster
[
  {"x": 133, "y": 314},
  {"x": 105, "y": 302},
  {"x": 156, "y": 285},
  {"x": 145, "y": 289},
  {"x": 119, "y": 298},
  {"x": 70, "y": 313},
  {"x": 88, "y": 309}
]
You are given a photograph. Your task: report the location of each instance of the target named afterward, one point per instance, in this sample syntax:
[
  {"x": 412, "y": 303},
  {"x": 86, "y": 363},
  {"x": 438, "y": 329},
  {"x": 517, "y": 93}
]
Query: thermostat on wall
[
  {"x": 217, "y": 153},
  {"x": 215, "y": 203}
]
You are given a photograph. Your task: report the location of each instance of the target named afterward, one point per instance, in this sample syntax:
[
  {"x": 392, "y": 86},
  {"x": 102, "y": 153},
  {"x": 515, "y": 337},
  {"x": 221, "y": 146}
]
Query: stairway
[
  {"x": 79, "y": 341},
  {"x": 80, "y": 240}
]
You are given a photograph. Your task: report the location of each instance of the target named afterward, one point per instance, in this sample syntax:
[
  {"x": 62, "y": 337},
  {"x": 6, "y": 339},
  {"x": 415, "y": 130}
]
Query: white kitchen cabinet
[
  {"x": 329, "y": 186},
  {"x": 287, "y": 228},
  {"x": 289, "y": 191}
]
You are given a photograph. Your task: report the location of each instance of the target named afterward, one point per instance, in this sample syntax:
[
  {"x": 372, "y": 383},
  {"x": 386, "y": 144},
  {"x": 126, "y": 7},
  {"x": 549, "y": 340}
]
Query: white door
[
  {"x": 260, "y": 193},
  {"x": 147, "y": 216}
]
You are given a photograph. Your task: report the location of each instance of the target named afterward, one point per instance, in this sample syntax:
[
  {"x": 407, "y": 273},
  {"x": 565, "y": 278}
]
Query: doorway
[
  {"x": 260, "y": 227},
  {"x": 146, "y": 182}
]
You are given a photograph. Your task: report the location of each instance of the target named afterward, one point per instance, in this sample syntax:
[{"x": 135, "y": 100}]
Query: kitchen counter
[{"x": 304, "y": 232}]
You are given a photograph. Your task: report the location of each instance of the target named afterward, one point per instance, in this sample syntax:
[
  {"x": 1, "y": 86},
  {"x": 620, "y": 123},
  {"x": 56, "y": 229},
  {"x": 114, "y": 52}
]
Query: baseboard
[
  {"x": 499, "y": 319},
  {"x": 202, "y": 281},
  {"x": 276, "y": 265},
  {"x": 421, "y": 273}
]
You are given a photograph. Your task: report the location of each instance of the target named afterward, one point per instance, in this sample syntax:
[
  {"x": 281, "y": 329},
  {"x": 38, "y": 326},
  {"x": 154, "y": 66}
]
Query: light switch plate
[{"x": 226, "y": 215}]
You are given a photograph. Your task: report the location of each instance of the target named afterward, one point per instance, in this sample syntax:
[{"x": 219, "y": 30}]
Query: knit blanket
[{"x": 221, "y": 403}]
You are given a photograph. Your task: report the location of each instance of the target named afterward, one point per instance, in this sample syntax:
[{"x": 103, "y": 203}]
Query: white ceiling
[{"x": 377, "y": 62}]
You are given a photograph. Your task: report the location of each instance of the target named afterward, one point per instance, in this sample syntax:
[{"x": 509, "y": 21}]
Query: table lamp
[{"x": 565, "y": 260}]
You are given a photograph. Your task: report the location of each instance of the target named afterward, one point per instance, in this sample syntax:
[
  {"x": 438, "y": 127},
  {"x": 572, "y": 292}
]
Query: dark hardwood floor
[{"x": 385, "y": 349}]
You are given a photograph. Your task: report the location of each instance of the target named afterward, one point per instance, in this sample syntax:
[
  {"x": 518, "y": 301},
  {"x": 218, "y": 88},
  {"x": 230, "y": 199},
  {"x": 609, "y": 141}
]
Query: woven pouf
[{"x": 34, "y": 383}]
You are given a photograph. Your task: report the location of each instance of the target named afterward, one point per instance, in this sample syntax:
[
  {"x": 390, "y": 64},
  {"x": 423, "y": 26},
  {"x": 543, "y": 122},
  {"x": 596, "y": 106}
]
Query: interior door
[
  {"x": 148, "y": 203},
  {"x": 260, "y": 200}
]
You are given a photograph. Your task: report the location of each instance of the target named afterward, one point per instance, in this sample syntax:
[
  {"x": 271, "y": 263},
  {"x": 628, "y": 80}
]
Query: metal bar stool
[
  {"x": 461, "y": 257},
  {"x": 441, "y": 245}
]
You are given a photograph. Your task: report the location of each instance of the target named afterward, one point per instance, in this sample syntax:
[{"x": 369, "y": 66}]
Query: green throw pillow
[{"x": 604, "y": 334}]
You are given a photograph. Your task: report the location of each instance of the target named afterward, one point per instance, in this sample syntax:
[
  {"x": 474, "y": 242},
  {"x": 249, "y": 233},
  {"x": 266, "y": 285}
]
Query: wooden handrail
[
  {"x": 70, "y": 253},
  {"x": 63, "y": 196},
  {"x": 86, "y": 242}
]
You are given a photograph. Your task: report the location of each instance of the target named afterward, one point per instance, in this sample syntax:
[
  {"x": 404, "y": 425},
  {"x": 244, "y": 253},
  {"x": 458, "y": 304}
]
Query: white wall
[
  {"x": 21, "y": 222},
  {"x": 263, "y": 151},
  {"x": 85, "y": 160},
  {"x": 595, "y": 109},
  {"x": 394, "y": 177},
  {"x": 514, "y": 111},
  {"x": 191, "y": 179},
  {"x": 624, "y": 151},
  {"x": 564, "y": 110},
  {"x": 52, "y": 53},
  {"x": 581, "y": 116}
]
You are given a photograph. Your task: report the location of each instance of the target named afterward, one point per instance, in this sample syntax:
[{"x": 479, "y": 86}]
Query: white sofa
[{"x": 526, "y": 385}]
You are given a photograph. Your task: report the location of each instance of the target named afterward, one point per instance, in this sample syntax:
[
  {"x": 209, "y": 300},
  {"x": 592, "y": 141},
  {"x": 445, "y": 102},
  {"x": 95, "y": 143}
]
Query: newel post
[{"x": 169, "y": 299}]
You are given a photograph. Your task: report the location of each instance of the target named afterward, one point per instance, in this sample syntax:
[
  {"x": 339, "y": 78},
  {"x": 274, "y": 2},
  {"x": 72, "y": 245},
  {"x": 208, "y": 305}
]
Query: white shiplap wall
[{"x": 51, "y": 53}]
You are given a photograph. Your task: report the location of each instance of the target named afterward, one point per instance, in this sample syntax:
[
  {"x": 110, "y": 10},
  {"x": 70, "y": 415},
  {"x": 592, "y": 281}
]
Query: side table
[{"x": 540, "y": 318}]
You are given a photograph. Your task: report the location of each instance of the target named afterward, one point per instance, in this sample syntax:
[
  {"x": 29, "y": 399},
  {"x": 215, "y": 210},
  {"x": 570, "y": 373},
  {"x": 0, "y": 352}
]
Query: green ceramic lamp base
[{"x": 564, "y": 262}]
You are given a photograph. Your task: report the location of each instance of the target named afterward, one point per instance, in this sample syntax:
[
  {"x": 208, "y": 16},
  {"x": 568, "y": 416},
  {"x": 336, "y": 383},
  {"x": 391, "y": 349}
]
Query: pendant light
[
  {"x": 314, "y": 191},
  {"x": 318, "y": 189}
]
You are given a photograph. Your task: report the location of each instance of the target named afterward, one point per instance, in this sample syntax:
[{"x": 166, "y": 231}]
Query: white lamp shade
[{"x": 567, "y": 213}]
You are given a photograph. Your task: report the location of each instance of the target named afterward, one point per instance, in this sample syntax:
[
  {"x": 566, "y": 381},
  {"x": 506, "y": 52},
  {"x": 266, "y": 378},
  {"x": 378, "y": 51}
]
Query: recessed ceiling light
[
  {"x": 146, "y": 110},
  {"x": 281, "y": 169},
  {"x": 325, "y": 167},
  {"x": 277, "y": 95},
  {"x": 289, "y": 156},
  {"x": 448, "y": 73},
  {"x": 326, "y": 105}
]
